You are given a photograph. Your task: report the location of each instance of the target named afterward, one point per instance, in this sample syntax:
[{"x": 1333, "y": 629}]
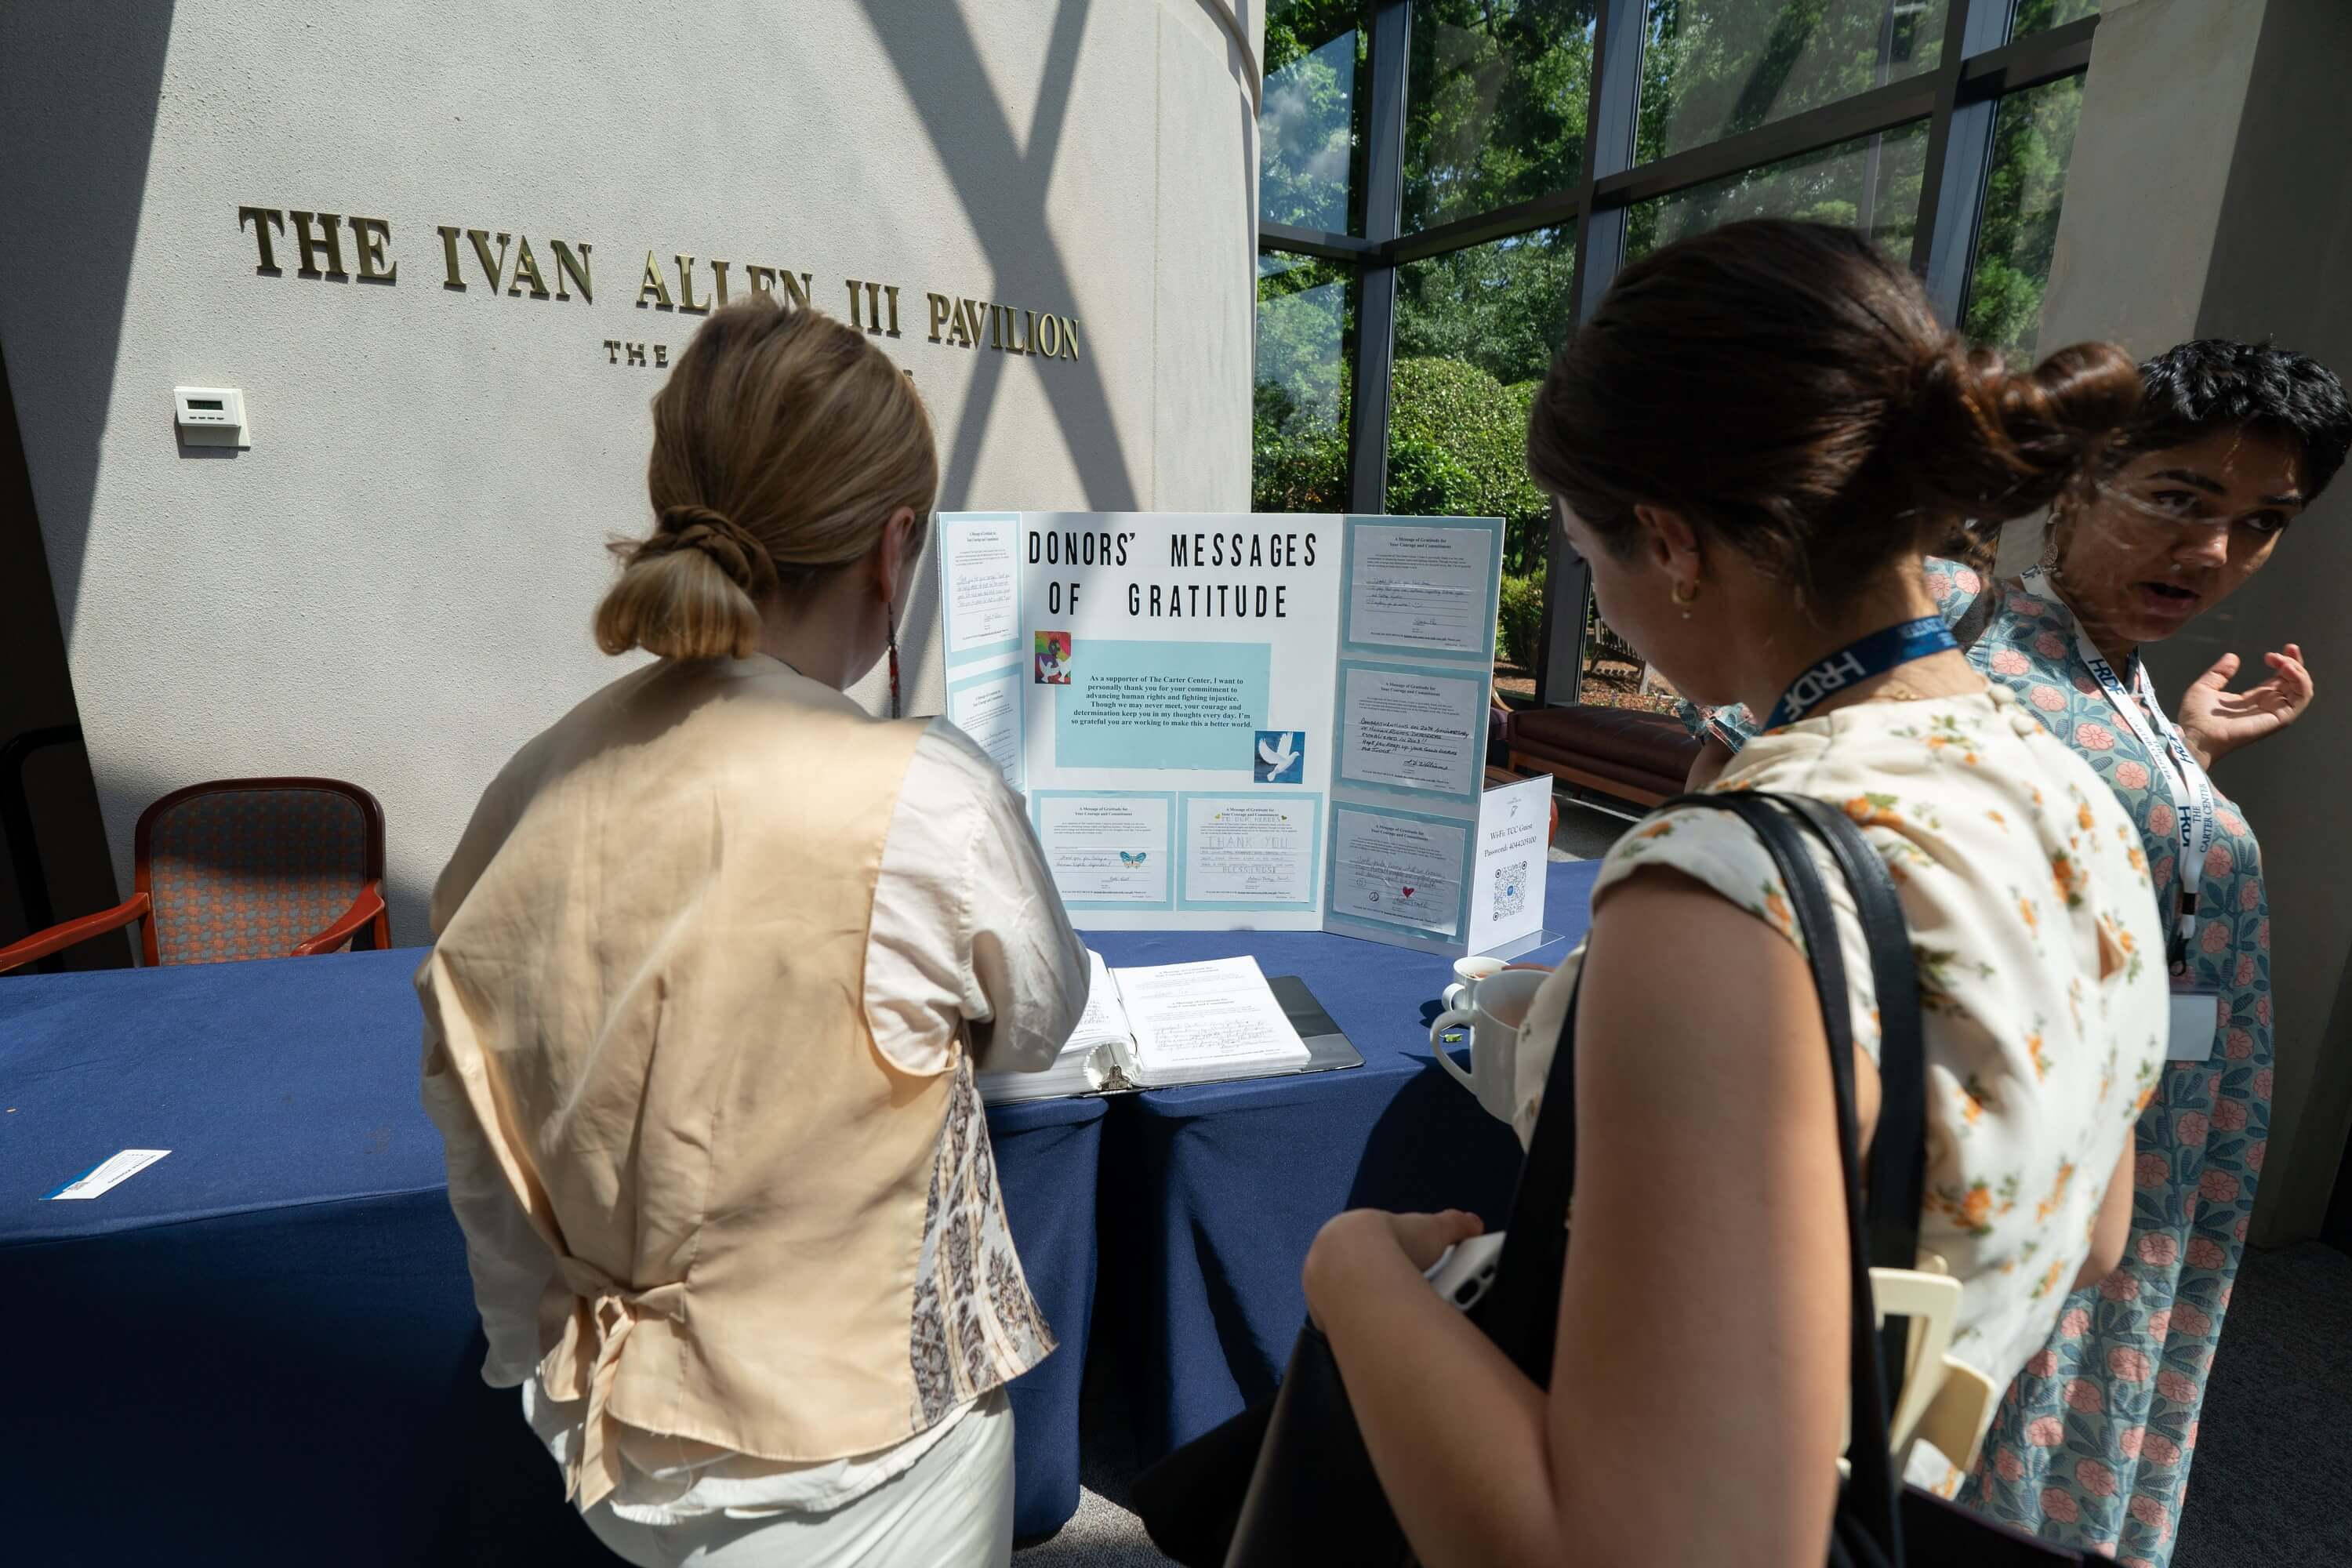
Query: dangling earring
[
  {"x": 1686, "y": 601},
  {"x": 2053, "y": 541},
  {"x": 894, "y": 661}
]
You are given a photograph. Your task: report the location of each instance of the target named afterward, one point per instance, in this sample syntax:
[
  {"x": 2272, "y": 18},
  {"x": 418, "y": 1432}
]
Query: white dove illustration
[{"x": 1280, "y": 756}]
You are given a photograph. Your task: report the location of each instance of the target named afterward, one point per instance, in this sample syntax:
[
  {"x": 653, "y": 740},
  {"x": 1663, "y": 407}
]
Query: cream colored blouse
[
  {"x": 966, "y": 939},
  {"x": 2040, "y": 968}
]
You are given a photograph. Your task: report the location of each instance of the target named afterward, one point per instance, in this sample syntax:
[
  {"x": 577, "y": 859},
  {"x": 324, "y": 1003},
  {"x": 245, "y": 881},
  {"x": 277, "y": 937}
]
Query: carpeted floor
[
  {"x": 1101, "y": 1534},
  {"x": 2272, "y": 1483},
  {"x": 2272, "y": 1487},
  {"x": 1585, "y": 833}
]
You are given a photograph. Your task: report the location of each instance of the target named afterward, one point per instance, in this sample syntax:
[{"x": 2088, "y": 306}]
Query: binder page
[
  {"x": 1213, "y": 1019},
  {"x": 1104, "y": 1022}
]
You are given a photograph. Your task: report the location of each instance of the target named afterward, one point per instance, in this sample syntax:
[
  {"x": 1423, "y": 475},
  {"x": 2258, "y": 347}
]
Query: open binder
[{"x": 1109, "y": 1067}]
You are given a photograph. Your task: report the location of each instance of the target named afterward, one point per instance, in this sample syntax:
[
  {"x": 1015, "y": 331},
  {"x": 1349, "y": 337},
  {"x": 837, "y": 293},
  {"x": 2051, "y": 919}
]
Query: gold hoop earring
[{"x": 1685, "y": 602}]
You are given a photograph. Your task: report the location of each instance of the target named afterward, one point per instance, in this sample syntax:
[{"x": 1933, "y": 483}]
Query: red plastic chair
[{"x": 243, "y": 868}]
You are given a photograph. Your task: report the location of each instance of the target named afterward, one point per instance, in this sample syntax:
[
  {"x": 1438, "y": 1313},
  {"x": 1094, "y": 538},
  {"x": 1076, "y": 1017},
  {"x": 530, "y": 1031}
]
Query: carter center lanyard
[
  {"x": 2195, "y": 810},
  {"x": 1872, "y": 656}
]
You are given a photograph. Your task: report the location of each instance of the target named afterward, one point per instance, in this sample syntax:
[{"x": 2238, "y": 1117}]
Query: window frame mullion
[{"x": 1388, "y": 62}]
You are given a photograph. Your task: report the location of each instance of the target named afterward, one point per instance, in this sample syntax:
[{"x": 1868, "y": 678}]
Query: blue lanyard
[{"x": 1872, "y": 656}]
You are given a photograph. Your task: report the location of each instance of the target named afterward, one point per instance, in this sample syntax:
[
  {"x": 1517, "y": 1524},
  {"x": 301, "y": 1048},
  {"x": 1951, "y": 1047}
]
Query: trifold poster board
[{"x": 1247, "y": 722}]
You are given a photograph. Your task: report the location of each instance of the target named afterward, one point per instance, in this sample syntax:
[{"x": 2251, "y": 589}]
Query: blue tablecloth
[
  {"x": 1211, "y": 1195},
  {"x": 263, "y": 1348}
]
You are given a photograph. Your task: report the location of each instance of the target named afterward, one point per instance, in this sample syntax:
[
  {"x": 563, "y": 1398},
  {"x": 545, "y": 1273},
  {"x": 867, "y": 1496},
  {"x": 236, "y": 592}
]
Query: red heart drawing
[{"x": 1407, "y": 892}]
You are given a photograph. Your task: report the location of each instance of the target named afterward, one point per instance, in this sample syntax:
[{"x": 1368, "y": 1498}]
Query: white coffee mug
[
  {"x": 1496, "y": 1010},
  {"x": 1468, "y": 973}
]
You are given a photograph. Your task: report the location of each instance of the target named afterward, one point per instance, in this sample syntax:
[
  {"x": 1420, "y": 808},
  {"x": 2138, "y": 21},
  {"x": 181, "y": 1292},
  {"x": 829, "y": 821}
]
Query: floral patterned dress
[{"x": 2091, "y": 1445}]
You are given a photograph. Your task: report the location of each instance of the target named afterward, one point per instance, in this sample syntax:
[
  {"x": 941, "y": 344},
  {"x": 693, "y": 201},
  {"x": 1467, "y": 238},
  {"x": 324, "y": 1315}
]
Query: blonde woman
[{"x": 715, "y": 963}]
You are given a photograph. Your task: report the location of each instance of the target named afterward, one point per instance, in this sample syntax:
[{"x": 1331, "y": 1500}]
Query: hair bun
[
  {"x": 733, "y": 550},
  {"x": 1990, "y": 442}
]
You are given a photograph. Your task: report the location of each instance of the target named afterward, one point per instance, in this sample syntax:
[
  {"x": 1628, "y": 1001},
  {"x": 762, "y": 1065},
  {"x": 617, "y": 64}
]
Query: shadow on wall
[
  {"x": 973, "y": 136},
  {"x": 973, "y": 133},
  {"x": 75, "y": 186}
]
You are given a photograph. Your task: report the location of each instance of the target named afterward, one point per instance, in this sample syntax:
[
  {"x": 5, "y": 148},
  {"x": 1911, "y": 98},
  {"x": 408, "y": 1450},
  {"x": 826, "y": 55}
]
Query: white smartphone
[{"x": 1464, "y": 1271}]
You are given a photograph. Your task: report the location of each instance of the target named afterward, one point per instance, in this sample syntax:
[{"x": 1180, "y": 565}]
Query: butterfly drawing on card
[{"x": 1137, "y": 858}]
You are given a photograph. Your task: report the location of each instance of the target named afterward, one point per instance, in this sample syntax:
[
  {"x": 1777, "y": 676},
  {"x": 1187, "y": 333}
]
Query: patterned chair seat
[
  {"x": 249, "y": 873},
  {"x": 245, "y": 868}
]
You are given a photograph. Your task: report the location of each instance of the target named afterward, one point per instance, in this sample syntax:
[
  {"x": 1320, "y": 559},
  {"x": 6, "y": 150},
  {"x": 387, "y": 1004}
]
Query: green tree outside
[
  {"x": 2033, "y": 136},
  {"x": 1310, "y": 118},
  {"x": 1497, "y": 99}
]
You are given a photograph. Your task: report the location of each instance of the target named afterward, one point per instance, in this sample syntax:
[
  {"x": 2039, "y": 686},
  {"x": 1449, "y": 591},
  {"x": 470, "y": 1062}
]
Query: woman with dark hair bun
[
  {"x": 1754, "y": 442},
  {"x": 2231, "y": 443}
]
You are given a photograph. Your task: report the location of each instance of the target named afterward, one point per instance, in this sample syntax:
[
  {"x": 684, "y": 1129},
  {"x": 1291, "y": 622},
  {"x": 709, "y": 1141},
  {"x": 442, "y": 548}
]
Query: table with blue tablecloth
[
  {"x": 263, "y": 1348},
  {"x": 1211, "y": 1193}
]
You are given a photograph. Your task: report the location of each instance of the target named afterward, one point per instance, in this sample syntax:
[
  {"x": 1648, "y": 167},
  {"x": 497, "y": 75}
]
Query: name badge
[{"x": 2196, "y": 1025}]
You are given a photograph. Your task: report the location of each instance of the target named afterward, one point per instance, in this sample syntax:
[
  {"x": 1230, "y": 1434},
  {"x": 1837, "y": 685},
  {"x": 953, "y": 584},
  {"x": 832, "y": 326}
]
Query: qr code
[{"x": 1510, "y": 888}]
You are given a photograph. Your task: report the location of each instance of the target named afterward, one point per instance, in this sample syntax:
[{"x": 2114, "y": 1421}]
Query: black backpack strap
[
  {"x": 1520, "y": 1311},
  {"x": 1895, "y": 1180},
  {"x": 1895, "y": 1189},
  {"x": 1873, "y": 1488}
]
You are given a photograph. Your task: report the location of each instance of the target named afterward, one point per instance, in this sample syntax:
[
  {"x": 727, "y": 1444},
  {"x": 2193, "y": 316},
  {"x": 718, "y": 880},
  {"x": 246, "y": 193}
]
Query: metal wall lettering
[{"x": 508, "y": 263}]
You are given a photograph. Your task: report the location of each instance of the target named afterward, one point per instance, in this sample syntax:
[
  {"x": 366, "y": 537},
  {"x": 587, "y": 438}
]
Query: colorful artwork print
[{"x": 1053, "y": 659}]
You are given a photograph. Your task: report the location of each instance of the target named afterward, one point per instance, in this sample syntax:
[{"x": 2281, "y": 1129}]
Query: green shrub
[
  {"x": 1457, "y": 448},
  {"x": 1518, "y": 619},
  {"x": 1299, "y": 471}
]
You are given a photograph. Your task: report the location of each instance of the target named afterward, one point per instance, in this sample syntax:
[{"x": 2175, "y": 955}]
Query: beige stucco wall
[{"x": 394, "y": 583}]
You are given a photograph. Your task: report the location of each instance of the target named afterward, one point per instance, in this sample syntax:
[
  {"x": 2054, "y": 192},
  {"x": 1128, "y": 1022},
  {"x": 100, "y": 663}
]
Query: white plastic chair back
[{"x": 1945, "y": 1400}]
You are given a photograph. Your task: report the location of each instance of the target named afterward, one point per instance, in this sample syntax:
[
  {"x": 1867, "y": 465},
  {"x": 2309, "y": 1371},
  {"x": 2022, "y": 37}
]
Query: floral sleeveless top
[
  {"x": 2093, "y": 1446},
  {"x": 2040, "y": 969}
]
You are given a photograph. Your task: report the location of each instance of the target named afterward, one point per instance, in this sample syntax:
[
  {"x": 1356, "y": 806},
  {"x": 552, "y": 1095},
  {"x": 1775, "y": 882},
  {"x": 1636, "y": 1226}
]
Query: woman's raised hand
[{"x": 2217, "y": 721}]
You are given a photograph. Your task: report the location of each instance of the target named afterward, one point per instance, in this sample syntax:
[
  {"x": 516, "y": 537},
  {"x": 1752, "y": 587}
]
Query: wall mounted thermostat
[{"x": 211, "y": 415}]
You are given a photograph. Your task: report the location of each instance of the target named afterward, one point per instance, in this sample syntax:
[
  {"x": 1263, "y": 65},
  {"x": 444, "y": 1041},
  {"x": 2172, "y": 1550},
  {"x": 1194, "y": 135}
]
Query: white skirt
[{"x": 951, "y": 1509}]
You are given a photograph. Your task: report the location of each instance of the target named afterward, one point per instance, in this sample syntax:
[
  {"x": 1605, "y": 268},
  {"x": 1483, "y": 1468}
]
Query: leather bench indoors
[{"x": 1617, "y": 752}]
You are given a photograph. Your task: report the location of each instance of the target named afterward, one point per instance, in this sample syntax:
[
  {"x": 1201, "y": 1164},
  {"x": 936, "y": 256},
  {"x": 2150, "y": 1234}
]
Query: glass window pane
[
  {"x": 1502, "y": 306},
  {"x": 1309, "y": 148},
  {"x": 1305, "y": 338},
  {"x": 1613, "y": 674},
  {"x": 1713, "y": 68},
  {"x": 2041, "y": 16},
  {"x": 1496, "y": 108},
  {"x": 1870, "y": 184},
  {"x": 1475, "y": 330},
  {"x": 2032, "y": 137}
]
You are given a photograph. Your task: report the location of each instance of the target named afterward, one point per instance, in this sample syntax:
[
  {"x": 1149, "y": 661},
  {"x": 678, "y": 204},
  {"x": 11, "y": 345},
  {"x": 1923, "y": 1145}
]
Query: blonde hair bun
[
  {"x": 744, "y": 559},
  {"x": 783, "y": 442}
]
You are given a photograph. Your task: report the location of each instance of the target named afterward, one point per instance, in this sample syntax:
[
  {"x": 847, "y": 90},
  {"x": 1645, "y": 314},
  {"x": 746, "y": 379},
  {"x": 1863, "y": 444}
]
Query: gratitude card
[
  {"x": 112, "y": 1174},
  {"x": 1506, "y": 901}
]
